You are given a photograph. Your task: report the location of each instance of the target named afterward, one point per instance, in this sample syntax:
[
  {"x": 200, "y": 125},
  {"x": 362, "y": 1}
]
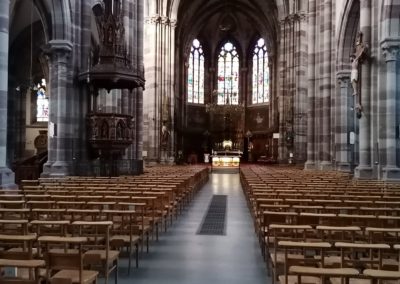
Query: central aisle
[{"x": 183, "y": 257}]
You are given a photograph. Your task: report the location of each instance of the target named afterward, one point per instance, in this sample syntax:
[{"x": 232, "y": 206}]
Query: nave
[{"x": 182, "y": 256}]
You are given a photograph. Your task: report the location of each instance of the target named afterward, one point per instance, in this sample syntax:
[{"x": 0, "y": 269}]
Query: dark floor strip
[{"x": 214, "y": 222}]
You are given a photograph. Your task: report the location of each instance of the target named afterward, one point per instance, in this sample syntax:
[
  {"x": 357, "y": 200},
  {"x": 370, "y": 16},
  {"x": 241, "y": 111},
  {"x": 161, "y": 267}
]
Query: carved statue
[
  {"x": 93, "y": 128},
  {"x": 104, "y": 130},
  {"x": 119, "y": 131},
  {"x": 361, "y": 53},
  {"x": 164, "y": 136},
  {"x": 354, "y": 74}
]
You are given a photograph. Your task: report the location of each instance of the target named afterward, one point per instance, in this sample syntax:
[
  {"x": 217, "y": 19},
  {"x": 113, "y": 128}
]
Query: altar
[{"x": 226, "y": 160}]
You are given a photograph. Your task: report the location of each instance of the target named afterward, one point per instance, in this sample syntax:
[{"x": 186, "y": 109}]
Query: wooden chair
[
  {"x": 32, "y": 264},
  {"x": 307, "y": 251},
  {"x": 276, "y": 256},
  {"x": 381, "y": 274},
  {"x": 124, "y": 232},
  {"x": 67, "y": 264},
  {"x": 98, "y": 234},
  {"x": 322, "y": 275}
]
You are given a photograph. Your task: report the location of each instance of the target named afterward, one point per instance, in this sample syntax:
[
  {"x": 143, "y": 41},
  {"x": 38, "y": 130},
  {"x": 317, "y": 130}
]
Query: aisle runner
[{"x": 214, "y": 221}]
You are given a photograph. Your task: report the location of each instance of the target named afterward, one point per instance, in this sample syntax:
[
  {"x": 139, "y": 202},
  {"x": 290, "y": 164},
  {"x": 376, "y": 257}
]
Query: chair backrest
[{"x": 71, "y": 257}]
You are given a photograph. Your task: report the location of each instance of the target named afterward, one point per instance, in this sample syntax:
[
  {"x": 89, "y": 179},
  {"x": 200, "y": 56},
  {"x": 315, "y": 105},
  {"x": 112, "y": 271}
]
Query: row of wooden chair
[
  {"x": 301, "y": 219},
  {"x": 335, "y": 255},
  {"x": 63, "y": 223}
]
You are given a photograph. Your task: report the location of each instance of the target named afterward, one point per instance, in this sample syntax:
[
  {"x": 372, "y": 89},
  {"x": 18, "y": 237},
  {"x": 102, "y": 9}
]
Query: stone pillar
[
  {"x": 60, "y": 141},
  {"x": 159, "y": 93},
  {"x": 326, "y": 87},
  {"x": 7, "y": 179},
  {"x": 364, "y": 169},
  {"x": 391, "y": 51},
  {"x": 342, "y": 123},
  {"x": 310, "y": 164},
  {"x": 151, "y": 98},
  {"x": 301, "y": 103},
  {"x": 139, "y": 92}
]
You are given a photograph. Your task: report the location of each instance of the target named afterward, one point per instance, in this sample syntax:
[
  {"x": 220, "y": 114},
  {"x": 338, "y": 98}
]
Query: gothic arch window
[
  {"x": 42, "y": 102},
  {"x": 196, "y": 74},
  {"x": 260, "y": 73},
  {"x": 228, "y": 75}
]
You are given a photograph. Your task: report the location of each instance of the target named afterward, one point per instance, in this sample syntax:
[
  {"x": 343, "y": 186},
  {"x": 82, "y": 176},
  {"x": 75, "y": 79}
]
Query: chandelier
[{"x": 225, "y": 108}]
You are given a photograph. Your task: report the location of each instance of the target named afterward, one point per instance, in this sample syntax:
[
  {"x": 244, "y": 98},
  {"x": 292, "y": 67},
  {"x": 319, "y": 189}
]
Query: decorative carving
[
  {"x": 110, "y": 132},
  {"x": 152, "y": 20},
  {"x": 165, "y": 135},
  {"x": 391, "y": 52},
  {"x": 360, "y": 55},
  {"x": 40, "y": 142},
  {"x": 173, "y": 23},
  {"x": 113, "y": 68}
]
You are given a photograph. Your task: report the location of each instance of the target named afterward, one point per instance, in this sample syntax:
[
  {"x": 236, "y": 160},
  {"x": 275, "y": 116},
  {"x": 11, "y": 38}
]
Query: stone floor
[{"x": 182, "y": 256}]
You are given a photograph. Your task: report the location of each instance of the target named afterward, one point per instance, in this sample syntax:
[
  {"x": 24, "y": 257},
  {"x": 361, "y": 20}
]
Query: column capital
[
  {"x": 154, "y": 19},
  {"x": 343, "y": 78},
  {"x": 59, "y": 49},
  {"x": 59, "y": 45},
  {"x": 164, "y": 20},
  {"x": 173, "y": 23},
  {"x": 391, "y": 49}
]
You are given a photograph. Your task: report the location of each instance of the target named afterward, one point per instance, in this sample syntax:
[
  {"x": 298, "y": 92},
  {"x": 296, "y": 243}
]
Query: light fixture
[
  {"x": 227, "y": 108},
  {"x": 227, "y": 23}
]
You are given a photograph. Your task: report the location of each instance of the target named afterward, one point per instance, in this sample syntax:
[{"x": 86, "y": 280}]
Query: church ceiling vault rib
[{"x": 195, "y": 16}]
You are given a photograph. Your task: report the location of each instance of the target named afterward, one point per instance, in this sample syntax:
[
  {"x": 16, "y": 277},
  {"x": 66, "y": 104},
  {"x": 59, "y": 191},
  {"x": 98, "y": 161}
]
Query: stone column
[
  {"x": 7, "y": 179},
  {"x": 59, "y": 156},
  {"x": 151, "y": 97},
  {"x": 391, "y": 51},
  {"x": 364, "y": 169},
  {"x": 159, "y": 93},
  {"x": 325, "y": 87},
  {"x": 342, "y": 123},
  {"x": 310, "y": 164},
  {"x": 139, "y": 92},
  {"x": 301, "y": 102}
]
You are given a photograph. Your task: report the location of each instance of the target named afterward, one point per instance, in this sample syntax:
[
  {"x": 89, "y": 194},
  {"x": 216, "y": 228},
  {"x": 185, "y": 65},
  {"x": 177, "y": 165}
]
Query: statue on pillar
[
  {"x": 164, "y": 137},
  {"x": 360, "y": 54}
]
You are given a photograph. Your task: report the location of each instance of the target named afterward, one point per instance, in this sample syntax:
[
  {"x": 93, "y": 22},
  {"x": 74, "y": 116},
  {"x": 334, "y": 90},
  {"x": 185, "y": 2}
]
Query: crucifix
[{"x": 360, "y": 54}]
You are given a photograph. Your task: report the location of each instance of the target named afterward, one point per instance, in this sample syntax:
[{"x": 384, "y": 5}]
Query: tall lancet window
[
  {"x": 228, "y": 75},
  {"x": 260, "y": 73},
  {"x": 196, "y": 74},
  {"x": 42, "y": 102}
]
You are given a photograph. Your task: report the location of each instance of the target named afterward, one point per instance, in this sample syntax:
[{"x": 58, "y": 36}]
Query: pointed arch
[
  {"x": 228, "y": 74},
  {"x": 195, "y": 81},
  {"x": 260, "y": 73}
]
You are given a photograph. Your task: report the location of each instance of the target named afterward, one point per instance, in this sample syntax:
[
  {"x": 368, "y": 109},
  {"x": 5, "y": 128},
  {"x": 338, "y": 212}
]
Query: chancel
[{"x": 199, "y": 141}]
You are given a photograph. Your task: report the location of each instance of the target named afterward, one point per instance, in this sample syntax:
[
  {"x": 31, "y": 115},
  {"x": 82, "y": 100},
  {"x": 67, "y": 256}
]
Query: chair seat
[
  {"x": 20, "y": 250},
  {"x": 112, "y": 254},
  {"x": 387, "y": 263},
  {"x": 60, "y": 250},
  {"x": 333, "y": 260},
  {"x": 280, "y": 257},
  {"x": 125, "y": 238},
  {"x": 144, "y": 228},
  {"x": 23, "y": 273},
  {"x": 338, "y": 280},
  {"x": 382, "y": 274},
  {"x": 88, "y": 276},
  {"x": 293, "y": 279}
]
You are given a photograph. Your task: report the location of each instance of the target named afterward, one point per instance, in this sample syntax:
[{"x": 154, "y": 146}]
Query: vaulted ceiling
[{"x": 250, "y": 19}]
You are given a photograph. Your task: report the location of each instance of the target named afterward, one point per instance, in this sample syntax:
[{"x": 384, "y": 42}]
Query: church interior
[{"x": 198, "y": 141}]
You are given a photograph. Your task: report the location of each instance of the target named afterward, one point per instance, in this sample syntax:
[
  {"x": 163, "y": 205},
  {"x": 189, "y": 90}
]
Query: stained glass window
[
  {"x": 42, "y": 103},
  {"x": 260, "y": 73},
  {"x": 228, "y": 75},
  {"x": 196, "y": 74}
]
